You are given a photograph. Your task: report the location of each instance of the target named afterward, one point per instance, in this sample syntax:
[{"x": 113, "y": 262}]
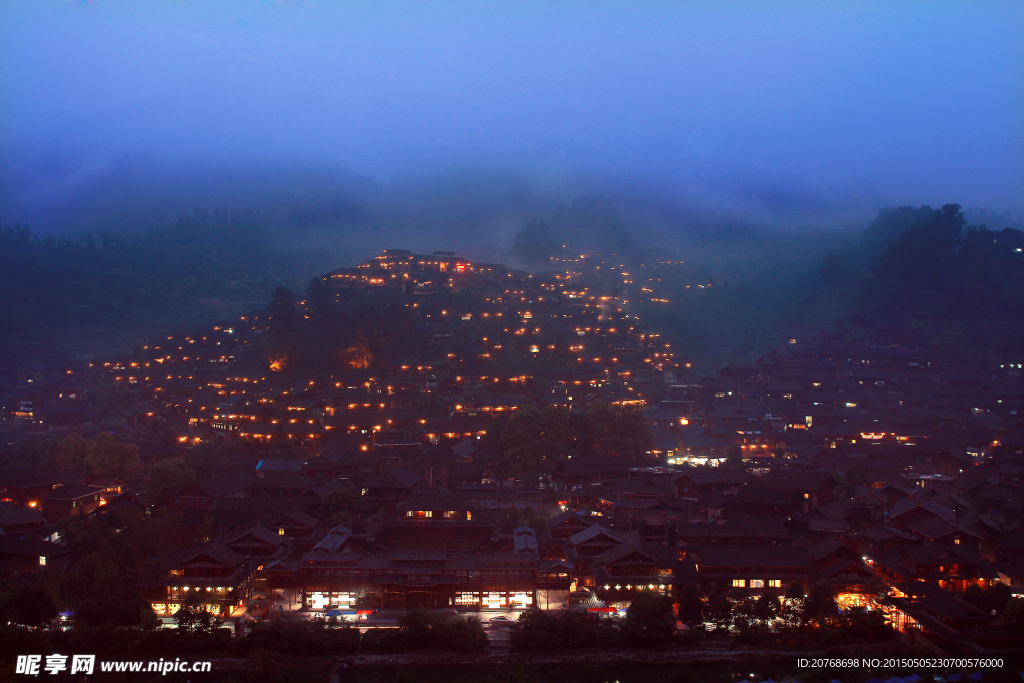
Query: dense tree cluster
[
  {"x": 420, "y": 628},
  {"x": 63, "y": 294},
  {"x": 538, "y": 441},
  {"x": 338, "y": 332},
  {"x": 917, "y": 264},
  {"x": 557, "y": 630},
  {"x": 102, "y": 455},
  {"x": 650, "y": 622},
  {"x": 962, "y": 285}
]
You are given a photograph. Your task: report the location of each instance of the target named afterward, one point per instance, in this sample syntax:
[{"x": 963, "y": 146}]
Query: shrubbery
[
  {"x": 650, "y": 622},
  {"x": 418, "y": 628},
  {"x": 27, "y": 604},
  {"x": 299, "y": 637},
  {"x": 540, "y": 630}
]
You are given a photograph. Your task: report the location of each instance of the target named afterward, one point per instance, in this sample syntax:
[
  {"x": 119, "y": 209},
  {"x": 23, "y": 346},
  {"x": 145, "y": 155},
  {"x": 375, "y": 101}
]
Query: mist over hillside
[
  {"x": 144, "y": 244},
  {"x": 342, "y": 215}
]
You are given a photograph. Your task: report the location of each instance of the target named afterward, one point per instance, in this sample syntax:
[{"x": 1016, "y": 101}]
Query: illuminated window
[
  {"x": 42, "y": 561},
  {"x": 757, "y": 583},
  {"x": 467, "y": 599},
  {"x": 774, "y": 583},
  {"x": 739, "y": 583},
  {"x": 280, "y": 532}
]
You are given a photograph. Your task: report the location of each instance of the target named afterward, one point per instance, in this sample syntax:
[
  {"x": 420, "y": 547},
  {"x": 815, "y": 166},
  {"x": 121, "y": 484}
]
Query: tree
[
  {"x": 924, "y": 255},
  {"x": 975, "y": 595},
  {"x": 1014, "y": 612},
  {"x": 71, "y": 451},
  {"x": 193, "y": 615},
  {"x": 109, "y": 456},
  {"x": 998, "y": 594},
  {"x": 766, "y": 608},
  {"x": 877, "y": 589},
  {"x": 691, "y": 606},
  {"x": 203, "y": 458},
  {"x": 206, "y": 529},
  {"x": 359, "y": 355},
  {"x": 338, "y": 507},
  {"x": 320, "y": 302},
  {"x": 534, "y": 440},
  {"x": 650, "y": 619},
  {"x": 284, "y": 320},
  {"x": 820, "y": 604},
  {"x": 166, "y": 477},
  {"x": 561, "y": 629},
  {"x": 535, "y": 243},
  {"x": 718, "y": 609},
  {"x": 889, "y": 224},
  {"x": 733, "y": 456},
  {"x": 460, "y": 634},
  {"x": 27, "y": 604},
  {"x": 612, "y": 431},
  {"x": 742, "y": 608},
  {"x": 416, "y": 620},
  {"x": 793, "y": 603}
]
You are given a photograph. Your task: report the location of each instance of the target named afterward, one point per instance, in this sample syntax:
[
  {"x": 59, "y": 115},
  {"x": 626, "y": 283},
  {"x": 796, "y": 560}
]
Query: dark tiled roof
[
  {"x": 753, "y": 556},
  {"x": 593, "y": 532},
  {"x": 72, "y": 492},
  {"x": 31, "y": 548}
]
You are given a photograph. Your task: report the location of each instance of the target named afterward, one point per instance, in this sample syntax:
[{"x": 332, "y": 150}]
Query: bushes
[
  {"x": 418, "y": 628},
  {"x": 866, "y": 625},
  {"x": 27, "y": 604},
  {"x": 166, "y": 642},
  {"x": 19, "y": 640},
  {"x": 299, "y": 637},
  {"x": 691, "y": 606},
  {"x": 460, "y": 634},
  {"x": 820, "y": 604},
  {"x": 857, "y": 625},
  {"x": 110, "y": 640},
  {"x": 650, "y": 620},
  {"x": 540, "y": 630}
]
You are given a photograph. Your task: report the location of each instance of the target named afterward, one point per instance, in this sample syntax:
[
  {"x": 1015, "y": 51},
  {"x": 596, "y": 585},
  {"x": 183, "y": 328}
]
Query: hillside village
[{"x": 856, "y": 458}]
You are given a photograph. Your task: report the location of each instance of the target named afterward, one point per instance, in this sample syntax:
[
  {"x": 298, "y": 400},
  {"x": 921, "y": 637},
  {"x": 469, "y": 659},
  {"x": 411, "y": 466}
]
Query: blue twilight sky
[{"x": 740, "y": 105}]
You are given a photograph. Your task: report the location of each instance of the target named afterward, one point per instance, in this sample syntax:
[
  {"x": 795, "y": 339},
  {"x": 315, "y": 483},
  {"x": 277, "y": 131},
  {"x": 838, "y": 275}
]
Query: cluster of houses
[{"x": 860, "y": 462}]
